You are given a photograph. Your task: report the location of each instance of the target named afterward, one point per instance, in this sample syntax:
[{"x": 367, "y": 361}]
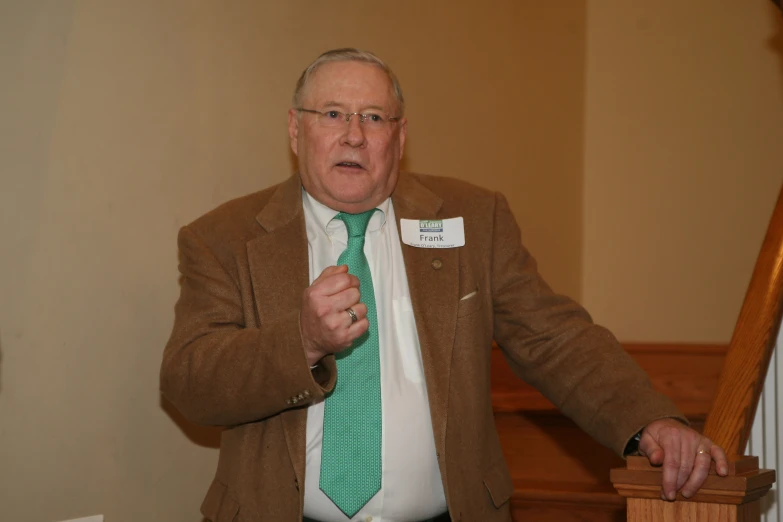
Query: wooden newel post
[{"x": 734, "y": 498}]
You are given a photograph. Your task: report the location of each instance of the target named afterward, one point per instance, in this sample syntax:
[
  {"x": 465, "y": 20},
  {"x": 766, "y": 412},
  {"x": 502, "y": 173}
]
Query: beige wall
[
  {"x": 121, "y": 121},
  {"x": 683, "y": 162}
]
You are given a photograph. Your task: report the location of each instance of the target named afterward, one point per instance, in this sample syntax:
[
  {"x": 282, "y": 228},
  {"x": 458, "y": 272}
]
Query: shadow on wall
[
  {"x": 206, "y": 436},
  {"x": 776, "y": 40},
  {"x": 1, "y": 361}
]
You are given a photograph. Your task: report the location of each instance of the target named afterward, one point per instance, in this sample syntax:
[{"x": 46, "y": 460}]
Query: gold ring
[
  {"x": 352, "y": 314},
  {"x": 701, "y": 451}
]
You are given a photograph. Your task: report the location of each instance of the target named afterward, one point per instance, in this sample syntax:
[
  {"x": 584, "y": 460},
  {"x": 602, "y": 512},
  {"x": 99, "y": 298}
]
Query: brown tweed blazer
[{"x": 235, "y": 356}]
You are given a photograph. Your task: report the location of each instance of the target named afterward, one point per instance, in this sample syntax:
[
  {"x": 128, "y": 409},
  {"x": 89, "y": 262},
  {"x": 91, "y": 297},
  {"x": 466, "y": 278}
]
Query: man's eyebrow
[{"x": 366, "y": 108}]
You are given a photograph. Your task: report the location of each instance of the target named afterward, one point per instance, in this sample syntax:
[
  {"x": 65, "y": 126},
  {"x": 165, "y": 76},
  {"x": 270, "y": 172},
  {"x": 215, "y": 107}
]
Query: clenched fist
[{"x": 326, "y": 325}]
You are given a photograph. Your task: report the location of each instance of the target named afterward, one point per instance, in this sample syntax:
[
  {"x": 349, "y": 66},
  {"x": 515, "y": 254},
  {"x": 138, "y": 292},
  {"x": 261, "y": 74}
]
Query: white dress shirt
[{"x": 411, "y": 487}]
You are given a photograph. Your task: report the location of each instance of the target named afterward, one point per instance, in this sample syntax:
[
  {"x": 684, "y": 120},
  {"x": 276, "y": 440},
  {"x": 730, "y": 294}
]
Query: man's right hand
[{"x": 326, "y": 326}]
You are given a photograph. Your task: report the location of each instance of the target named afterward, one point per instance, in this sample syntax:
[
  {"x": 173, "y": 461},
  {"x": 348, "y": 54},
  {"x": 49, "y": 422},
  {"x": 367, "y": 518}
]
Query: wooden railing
[
  {"x": 735, "y": 497},
  {"x": 561, "y": 474},
  {"x": 747, "y": 361}
]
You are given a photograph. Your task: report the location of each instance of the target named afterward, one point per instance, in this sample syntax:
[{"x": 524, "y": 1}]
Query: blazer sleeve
[
  {"x": 551, "y": 342},
  {"x": 218, "y": 370}
]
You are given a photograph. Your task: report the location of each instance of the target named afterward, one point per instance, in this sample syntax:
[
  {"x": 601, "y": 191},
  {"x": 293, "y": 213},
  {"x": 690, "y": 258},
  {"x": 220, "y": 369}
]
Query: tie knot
[{"x": 356, "y": 223}]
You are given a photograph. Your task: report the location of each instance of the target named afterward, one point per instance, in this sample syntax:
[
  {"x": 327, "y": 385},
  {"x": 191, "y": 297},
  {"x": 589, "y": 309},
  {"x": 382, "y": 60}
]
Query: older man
[{"x": 339, "y": 325}]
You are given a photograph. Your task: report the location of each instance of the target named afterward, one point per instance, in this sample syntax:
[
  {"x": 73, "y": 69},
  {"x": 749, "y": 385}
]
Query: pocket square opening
[{"x": 474, "y": 292}]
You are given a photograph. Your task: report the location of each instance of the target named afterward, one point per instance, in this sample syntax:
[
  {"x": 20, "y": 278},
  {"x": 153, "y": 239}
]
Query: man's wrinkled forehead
[{"x": 332, "y": 83}]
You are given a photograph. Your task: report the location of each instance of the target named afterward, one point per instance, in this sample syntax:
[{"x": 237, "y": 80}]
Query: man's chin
[
  {"x": 354, "y": 203},
  {"x": 354, "y": 207}
]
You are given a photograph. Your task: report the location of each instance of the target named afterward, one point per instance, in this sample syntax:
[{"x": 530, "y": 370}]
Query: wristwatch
[{"x": 632, "y": 448}]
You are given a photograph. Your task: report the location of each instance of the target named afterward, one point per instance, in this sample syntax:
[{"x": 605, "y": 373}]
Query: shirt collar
[{"x": 324, "y": 216}]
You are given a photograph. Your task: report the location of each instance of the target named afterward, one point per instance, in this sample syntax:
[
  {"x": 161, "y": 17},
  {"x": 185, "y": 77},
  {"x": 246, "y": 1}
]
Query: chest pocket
[{"x": 469, "y": 303}]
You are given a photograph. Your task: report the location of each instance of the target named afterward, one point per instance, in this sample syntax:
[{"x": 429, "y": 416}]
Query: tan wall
[
  {"x": 683, "y": 161},
  {"x": 121, "y": 121}
]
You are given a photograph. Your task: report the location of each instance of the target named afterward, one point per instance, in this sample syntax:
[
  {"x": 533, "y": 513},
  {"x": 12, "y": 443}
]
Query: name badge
[{"x": 433, "y": 233}]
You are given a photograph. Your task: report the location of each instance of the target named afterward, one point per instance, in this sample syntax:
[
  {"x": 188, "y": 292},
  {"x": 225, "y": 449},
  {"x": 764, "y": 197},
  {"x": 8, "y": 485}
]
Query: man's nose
[{"x": 354, "y": 132}]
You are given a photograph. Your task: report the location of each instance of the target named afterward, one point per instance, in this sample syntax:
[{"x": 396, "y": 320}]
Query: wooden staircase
[
  {"x": 562, "y": 475},
  {"x": 559, "y": 472}
]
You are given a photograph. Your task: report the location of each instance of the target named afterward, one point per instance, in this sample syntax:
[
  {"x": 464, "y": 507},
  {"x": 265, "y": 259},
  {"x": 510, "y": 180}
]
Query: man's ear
[
  {"x": 293, "y": 129},
  {"x": 403, "y": 134}
]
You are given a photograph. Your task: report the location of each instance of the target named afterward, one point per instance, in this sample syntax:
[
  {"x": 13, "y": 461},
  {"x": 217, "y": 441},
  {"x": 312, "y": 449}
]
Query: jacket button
[{"x": 437, "y": 264}]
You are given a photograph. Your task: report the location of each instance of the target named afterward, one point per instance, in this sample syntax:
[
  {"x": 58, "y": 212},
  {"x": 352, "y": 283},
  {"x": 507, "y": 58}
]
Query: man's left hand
[{"x": 685, "y": 455}]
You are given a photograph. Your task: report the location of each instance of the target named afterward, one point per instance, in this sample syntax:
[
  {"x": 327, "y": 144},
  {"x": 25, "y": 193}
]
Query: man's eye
[
  {"x": 333, "y": 114},
  {"x": 375, "y": 118}
]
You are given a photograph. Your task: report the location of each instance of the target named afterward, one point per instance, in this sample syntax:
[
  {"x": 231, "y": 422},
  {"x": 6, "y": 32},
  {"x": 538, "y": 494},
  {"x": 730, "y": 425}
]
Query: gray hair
[{"x": 347, "y": 54}]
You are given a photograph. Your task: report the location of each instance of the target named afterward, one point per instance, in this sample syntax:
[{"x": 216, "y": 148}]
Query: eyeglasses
[{"x": 333, "y": 119}]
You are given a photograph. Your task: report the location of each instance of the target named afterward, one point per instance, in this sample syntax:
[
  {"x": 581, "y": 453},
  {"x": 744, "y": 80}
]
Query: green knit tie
[{"x": 351, "y": 452}]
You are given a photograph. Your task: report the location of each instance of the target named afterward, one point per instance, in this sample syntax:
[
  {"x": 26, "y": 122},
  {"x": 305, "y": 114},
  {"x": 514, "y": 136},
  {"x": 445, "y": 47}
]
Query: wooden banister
[
  {"x": 731, "y": 417},
  {"x": 559, "y": 472},
  {"x": 735, "y": 497}
]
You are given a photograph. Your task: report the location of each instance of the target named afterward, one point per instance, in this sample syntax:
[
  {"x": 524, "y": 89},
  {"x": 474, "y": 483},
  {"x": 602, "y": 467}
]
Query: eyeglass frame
[{"x": 348, "y": 115}]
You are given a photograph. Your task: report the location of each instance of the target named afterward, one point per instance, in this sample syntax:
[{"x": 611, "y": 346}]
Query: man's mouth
[{"x": 350, "y": 165}]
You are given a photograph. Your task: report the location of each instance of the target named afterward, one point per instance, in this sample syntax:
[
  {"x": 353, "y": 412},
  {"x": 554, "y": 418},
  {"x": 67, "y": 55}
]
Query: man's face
[{"x": 351, "y": 167}]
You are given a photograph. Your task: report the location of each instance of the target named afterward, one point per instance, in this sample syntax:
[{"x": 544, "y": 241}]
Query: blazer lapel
[
  {"x": 433, "y": 278},
  {"x": 279, "y": 267},
  {"x": 279, "y": 270}
]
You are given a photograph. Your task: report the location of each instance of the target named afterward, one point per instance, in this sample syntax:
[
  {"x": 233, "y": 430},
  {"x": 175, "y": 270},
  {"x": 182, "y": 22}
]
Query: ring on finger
[
  {"x": 702, "y": 452},
  {"x": 352, "y": 314}
]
